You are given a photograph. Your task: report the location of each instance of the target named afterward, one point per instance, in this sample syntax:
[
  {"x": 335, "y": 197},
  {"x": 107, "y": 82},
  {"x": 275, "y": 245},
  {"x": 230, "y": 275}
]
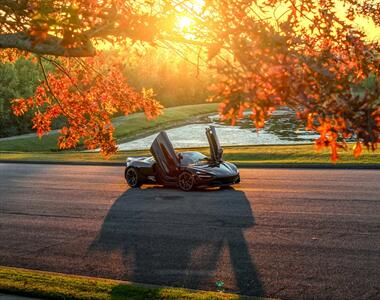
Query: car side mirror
[{"x": 180, "y": 156}]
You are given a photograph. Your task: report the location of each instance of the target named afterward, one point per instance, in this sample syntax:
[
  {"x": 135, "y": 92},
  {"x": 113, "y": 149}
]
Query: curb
[
  {"x": 16, "y": 297},
  {"x": 69, "y": 163},
  {"x": 239, "y": 165},
  {"x": 310, "y": 166}
]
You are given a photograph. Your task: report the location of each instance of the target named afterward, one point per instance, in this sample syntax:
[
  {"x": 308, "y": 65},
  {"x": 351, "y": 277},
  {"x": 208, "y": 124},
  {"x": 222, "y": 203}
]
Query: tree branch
[
  {"x": 51, "y": 90},
  {"x": 50, "y": 46}
]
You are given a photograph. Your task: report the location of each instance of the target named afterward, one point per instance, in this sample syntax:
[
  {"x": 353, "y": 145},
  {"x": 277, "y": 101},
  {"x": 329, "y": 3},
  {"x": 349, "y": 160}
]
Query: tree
[
  {"x": 85, "y": 89},
  {"x": 18, "y": 79},
  {"x": 306, "y": 54}
]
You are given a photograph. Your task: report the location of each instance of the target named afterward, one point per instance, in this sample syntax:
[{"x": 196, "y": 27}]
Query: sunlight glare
[{"x": 184, "y": 23}]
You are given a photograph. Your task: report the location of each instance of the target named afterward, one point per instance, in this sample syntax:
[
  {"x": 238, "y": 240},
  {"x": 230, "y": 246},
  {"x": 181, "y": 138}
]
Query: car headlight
[{"x": 203, "y": 174}]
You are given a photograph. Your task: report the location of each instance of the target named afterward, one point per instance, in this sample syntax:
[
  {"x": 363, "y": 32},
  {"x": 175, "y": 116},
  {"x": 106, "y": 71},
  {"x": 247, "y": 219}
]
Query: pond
[{"x": 282, "y": 128}]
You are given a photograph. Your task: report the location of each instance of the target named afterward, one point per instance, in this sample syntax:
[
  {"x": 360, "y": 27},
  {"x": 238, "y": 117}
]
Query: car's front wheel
[
  {"x": 132, "y": 177},
  {"x": 186, "y": 181}
]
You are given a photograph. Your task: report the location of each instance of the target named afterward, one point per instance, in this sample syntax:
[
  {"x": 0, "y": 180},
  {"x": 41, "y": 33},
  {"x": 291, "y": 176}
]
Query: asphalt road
[{"x": 292, "y": 234}]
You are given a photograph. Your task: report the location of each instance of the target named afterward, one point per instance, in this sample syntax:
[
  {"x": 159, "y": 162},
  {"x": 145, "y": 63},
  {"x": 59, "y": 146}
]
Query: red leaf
[{"x": 358, "y": 149}]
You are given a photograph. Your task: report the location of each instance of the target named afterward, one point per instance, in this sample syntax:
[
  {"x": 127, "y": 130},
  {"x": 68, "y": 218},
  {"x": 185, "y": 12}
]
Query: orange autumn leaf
[{"x": 357, "y": 149}]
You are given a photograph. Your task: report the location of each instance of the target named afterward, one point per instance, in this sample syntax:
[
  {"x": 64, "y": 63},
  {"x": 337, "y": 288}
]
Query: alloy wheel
[
  {"x": 131, "y": 177},
  {"x": 186, "y": 181}
]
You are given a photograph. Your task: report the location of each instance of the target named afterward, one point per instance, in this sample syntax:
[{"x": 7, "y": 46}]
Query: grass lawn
[
  {"x": 45, "y": 149},
  {"x": 59, "y": 286},
  {"x": 126, "y": 127},
  {"x": 255, "y": 155}
]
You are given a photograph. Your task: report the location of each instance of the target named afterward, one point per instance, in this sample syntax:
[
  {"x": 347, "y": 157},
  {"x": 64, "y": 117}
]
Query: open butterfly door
[
  {"x": 165, "y": 156},
  {"x": 216, "y": 150}
]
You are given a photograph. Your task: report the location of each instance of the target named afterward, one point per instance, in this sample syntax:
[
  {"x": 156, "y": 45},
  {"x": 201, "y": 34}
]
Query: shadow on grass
[{"x": 174, "y": 238}]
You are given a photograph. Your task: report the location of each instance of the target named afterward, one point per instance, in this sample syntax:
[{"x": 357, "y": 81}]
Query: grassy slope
[
  {"x": 126, "y": 127},
  {"x": 60, "y": 286},
  {"x": 137, "y": 123},
  {"x": 300, "y": 154}
]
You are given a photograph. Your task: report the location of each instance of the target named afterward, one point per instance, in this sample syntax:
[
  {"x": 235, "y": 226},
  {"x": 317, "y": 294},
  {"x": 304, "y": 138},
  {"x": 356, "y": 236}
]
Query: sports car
[{"x": 186, "y": 170}]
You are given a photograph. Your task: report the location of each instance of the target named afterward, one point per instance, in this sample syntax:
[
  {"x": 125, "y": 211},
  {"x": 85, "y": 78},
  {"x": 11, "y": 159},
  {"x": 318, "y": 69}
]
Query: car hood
[{"x": 219, "y": 169}]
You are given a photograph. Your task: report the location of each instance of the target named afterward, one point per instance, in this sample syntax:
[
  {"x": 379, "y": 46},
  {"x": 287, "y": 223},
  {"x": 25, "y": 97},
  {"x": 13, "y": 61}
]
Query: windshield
[{"x": 193, "y": 158}]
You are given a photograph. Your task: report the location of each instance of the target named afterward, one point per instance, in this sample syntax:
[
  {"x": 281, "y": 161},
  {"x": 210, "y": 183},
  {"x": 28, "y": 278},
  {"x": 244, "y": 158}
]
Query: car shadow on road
[{"x": 188, "y": 239}]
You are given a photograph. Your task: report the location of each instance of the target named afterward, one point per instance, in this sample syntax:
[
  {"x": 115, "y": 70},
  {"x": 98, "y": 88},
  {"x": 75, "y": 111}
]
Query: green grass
[
  {"x": 136, "y": 125},
  {"x": 59, "y": 286},
  {"x": 293, "y": 155},
  {"x": 126, "y": 128}
]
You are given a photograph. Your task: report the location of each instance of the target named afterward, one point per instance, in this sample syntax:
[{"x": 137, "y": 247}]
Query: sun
[{"x": 185, "y": 23}]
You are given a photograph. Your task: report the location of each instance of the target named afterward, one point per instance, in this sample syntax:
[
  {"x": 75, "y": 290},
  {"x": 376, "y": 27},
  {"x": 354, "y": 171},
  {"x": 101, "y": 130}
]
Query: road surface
[{"x": 293, "y": 234}]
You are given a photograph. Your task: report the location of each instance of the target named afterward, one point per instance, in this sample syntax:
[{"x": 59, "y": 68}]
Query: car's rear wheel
[
  {"x": 186, "y": 181},
  {"x": 132, "y": 177}
]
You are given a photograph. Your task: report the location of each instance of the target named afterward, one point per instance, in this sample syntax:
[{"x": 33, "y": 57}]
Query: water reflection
[
  {"x": 282, "y": 128},
  {"x": 283, "y": 123}
]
